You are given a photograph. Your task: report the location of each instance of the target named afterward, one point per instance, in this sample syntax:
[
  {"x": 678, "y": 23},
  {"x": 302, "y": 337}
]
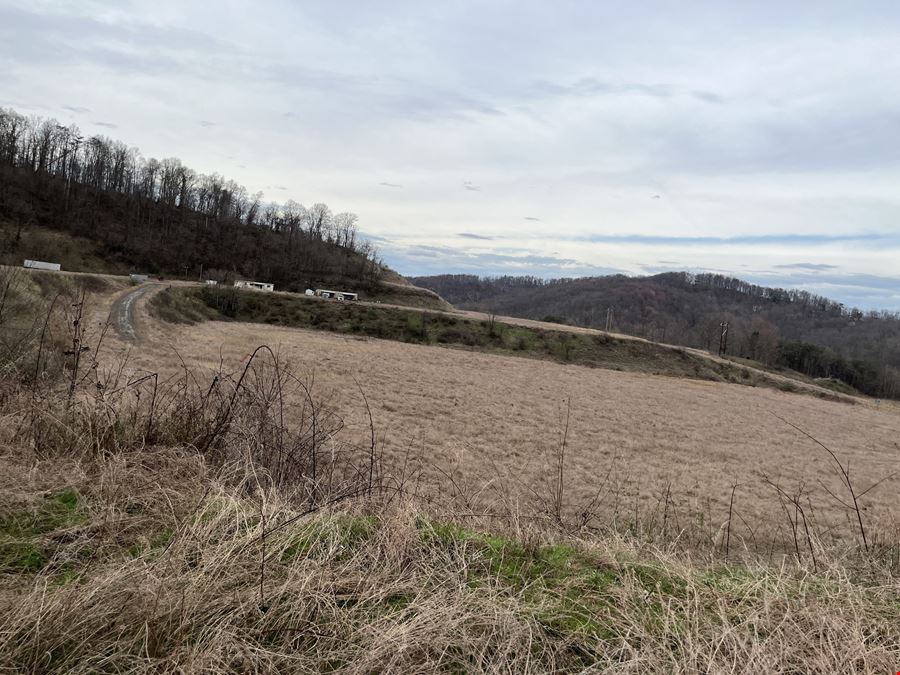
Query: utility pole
[
  {"x": 723, "y": 338},
  {"x": 608, "y": 318}
]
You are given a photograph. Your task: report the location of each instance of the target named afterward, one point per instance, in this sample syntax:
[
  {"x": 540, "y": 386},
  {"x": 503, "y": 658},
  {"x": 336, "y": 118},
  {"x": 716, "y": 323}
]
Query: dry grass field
[
  {"x": 516, "y": 515},
  {"x": 493, "y": 424}
]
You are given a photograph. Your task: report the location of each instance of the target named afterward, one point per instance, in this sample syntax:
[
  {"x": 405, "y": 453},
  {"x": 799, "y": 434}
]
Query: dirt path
[{"x": 122, "y": 313}]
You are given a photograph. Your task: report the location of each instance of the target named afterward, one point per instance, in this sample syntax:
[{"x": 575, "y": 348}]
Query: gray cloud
[
  {"x": 867, "y": 291},
  {"x": 593, "y": 87},
  {"x": 390, "y": 95},
  {"x": 873, "y": 239},
  {"x": 48, "y": 37},
  {"x": 469, "y": 235},
  {"x": 860, "y": 282},
  {"x": 816, "y": 267},
  {"x": 107, "y": 125},
  {"x": 427, "y": 259},
  {"x": 378, "y": 239},
  {"x": 390, "y": 185}
]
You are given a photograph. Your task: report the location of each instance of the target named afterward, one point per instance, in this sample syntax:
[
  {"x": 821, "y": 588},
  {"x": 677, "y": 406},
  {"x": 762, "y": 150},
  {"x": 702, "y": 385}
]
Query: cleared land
[
  {"x": 498, "y": 335},
  {"x": 493, "y": 422},
  {"x": 189, "y": 531}
]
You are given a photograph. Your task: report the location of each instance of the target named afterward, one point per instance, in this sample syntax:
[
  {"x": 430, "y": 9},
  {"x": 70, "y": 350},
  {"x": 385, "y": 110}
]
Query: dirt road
[{"x": 122, "y": 313}]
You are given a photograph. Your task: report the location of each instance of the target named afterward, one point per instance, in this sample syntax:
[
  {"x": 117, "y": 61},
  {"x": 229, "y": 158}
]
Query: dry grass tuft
[{"x": 167, "y": 568}]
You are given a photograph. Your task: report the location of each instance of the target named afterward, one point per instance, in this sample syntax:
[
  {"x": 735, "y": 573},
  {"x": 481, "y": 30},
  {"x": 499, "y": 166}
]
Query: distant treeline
[
  {"x": 161, "y": 216},
  {"x": 793, "y": 328}
]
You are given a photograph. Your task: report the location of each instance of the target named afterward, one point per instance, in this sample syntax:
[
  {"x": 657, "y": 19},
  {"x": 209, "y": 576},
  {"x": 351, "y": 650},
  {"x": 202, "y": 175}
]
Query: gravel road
[{"x": 122, "y": 312}]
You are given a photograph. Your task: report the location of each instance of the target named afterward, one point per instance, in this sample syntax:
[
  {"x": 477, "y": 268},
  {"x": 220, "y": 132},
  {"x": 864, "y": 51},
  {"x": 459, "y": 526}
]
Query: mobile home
[
  {"x": 337, "y": 295},
  {"x": 255, "y": 286}
]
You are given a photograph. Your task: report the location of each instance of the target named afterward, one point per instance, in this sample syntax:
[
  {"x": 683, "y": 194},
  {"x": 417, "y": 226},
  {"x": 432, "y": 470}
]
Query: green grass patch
[
  {"x": 336, "y": 539},
  {"x": 21, "y": 548},
  {"x": 155, "y": 544},
  {"x": 183, "y": 308},
  {"x": 838, "y": 386}
]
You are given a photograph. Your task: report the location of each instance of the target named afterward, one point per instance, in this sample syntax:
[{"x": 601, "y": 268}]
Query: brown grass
[
  {"x": 493, "y": 514},
  {"x": 492, "y": 422},
  {"x": 159, "y": 570}
]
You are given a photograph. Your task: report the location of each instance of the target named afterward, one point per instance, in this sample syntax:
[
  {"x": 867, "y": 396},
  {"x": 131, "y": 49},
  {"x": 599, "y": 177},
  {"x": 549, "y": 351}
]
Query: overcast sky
[{"x": 760, "y": 139}]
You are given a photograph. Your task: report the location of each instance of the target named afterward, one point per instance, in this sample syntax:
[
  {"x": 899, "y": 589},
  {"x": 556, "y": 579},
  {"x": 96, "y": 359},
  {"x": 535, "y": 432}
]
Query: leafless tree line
[{"x": 163, "y": 213}]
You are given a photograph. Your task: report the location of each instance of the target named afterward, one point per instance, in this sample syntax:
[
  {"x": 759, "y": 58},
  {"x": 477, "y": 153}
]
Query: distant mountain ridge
[{"x": 792, "y": 328}]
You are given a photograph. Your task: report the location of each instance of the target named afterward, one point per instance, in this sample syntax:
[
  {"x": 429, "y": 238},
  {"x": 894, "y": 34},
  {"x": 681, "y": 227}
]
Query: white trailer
[
  {"x": 138, "y": 278},
  {"x": 255, "y": 286},
  {"x": 41, "y": 265},
  {"x": 338, "y": 295}
]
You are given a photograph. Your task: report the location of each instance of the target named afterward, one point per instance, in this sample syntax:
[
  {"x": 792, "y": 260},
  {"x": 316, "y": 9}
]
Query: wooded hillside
[
  {"x": 159, "y": 216},
  {"x": 792, "y": 328}
]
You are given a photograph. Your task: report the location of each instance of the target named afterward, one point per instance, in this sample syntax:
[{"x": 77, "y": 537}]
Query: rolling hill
[
  {"x": 794, "y": 329},
  {"x": 98, "y": 205}
]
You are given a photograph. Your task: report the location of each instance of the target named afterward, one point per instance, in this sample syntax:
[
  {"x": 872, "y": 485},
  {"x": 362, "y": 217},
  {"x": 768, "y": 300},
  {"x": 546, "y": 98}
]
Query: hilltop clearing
[{"x": 493, "y": 419}]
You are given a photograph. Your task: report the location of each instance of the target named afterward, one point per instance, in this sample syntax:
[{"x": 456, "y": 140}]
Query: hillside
[
  {"x": 470, "y": 331},
  {"x": 793, "y": 329},
  {"x": 195, "y": 501},
  {"x": 95, "y": 204}
]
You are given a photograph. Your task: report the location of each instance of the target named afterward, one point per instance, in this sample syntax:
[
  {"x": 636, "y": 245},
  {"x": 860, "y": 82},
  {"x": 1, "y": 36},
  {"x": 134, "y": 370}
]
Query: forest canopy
[{"x": 161, "y": 216}]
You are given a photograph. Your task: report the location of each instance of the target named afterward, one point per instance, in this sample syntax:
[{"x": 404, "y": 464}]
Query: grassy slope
[
  {"x": 25, "y": 295},
  {"x": 126, "y": 549},
  {"x": 149, "y": 576},
  {"x": 594, "y": 350},
  {"x": 406, "y": 294},
  {"x": 75, "y": 254}
]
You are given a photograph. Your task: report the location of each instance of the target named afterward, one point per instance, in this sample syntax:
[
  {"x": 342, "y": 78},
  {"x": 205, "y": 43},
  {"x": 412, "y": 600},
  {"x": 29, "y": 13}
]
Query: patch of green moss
[
  {"x": 21, "y": 549},
  {"x": 21, "y": 557}
]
